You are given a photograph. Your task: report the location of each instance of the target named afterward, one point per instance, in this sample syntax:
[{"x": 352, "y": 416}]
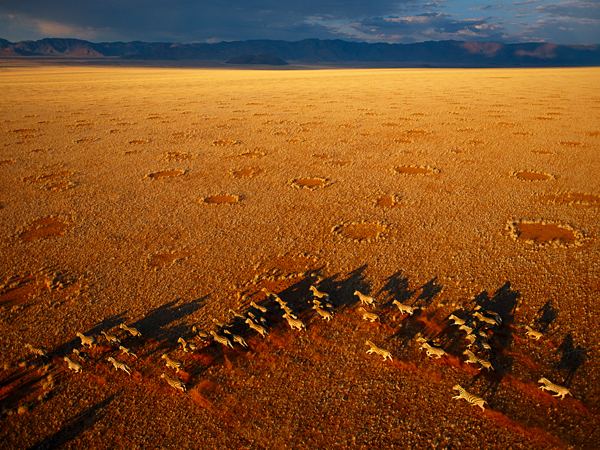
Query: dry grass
[{"x": 159, "y": 196}]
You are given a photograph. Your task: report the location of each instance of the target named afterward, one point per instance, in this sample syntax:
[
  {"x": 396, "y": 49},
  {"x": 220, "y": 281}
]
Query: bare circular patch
[
  {"x": 167, "y": 173},
  {"x": 544, "y": 233},
  {"x": 416, "y": 132},
  {"x": 532, "y": 175},
  {"x": 416, "y": 170},
  {"x": 226, "y": 142},
  {"x": 18, "y": 289},
  {"x": 310, "y": 183},
  {"x": 161, "y": 260},
  {"x": 55, "y": 182},
  {"x": 387, "y": 201},
  {"x": 43, "y": 228},
  {"x": 361, "y": 231},
  {"x": 253, "y": 154},
  {"x": 246, "y": 172},
  {"x": 339, "y": 162},
  {"x": 221, "y": 199},
  {"x": 573, "y": 198},
  {"x": 177, "y": 156},
  {"x": 571, "y": 143},
  {"x": 287, "y": 266}
]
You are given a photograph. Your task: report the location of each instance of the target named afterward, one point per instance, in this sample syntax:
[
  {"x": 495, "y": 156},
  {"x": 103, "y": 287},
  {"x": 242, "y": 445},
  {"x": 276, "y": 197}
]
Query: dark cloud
[
  {"x": 565, "y": 22},
  {"x": 587, "y": 9},
  {"x": 562, "y": 30},
  {"x": 415, "y": 28},
  {"x": 189, "y": 19},
  {"x": 372, "y": 20}
]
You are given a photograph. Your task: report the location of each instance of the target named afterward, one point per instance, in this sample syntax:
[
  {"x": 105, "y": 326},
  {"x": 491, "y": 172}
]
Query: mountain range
[{"x": 316, "y": 51}]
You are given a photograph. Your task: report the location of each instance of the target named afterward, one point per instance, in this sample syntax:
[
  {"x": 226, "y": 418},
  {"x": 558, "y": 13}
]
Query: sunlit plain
[{"x": 162, "y": 196}]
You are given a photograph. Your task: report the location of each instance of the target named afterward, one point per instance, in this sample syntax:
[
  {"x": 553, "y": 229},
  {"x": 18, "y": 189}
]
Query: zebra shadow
[
  {"x": 547, "y": 314},
  {"x": 297, "y": 296},
  {"x": 164, "y": 323},
  {"x": 75, "y": 426},
  {"x": 571, "y": 358},
  {"x": 396, "y": 287},
  {"x": 341, "y": 287},
  {"x": 415, "y": 324},
  {"x": 428, "y": 292},
  {"x": 504, "y": 303}
]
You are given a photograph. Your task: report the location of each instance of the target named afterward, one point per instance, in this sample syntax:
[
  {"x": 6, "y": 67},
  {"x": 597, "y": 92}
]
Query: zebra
[
  {"x": 171, "y": 363},
  {"x": 366, "y": 315},
  {"x": 256, "y": 327},
  {"x": 548, "y": 385},
  {"x": 456, "y": 320},
  {"x": 364, "y": 299},
  {"x": 132, "y": 331},
  {"x": 472, "y": 399},
  {"x": 119, "y": 365},
  {"x": 72, "y": 365},
  {"x": 378, "y": 350},
  {"x": 221, "y": 339},
  {"x": 174, "y": 383},
  {"x": 319, "y": 294},
  {"x": 294, "y": 322},
  {"x": 404, "y": 309},
  {"x": 532, "y": 333},
  {"x": 85, "y": 340}
]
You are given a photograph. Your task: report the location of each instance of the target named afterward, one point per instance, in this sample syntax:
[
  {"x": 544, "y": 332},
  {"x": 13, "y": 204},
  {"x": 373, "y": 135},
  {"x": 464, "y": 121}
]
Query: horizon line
[{"x": 301, "y": 40}]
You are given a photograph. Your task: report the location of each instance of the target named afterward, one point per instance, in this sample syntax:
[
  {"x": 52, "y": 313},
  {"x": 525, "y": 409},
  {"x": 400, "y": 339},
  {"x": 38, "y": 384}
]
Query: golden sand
[{"x": 127, "y": 182}]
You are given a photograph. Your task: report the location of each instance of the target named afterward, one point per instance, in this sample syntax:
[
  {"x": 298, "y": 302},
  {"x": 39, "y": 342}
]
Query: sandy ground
[{"x": 162, "y": 198}]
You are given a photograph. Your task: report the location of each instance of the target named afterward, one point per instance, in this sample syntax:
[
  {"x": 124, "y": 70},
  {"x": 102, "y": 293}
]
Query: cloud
[
  {"x": 546, "y": 51},
  {"x": 414, "y": 28},
  {"x": 187, "y": 20},
  {"x": 57, "y": 29},
  {"x": 372, "y": 20},
  {"x": 586, "y": 9},
  {"x": 562, "y": 30}
]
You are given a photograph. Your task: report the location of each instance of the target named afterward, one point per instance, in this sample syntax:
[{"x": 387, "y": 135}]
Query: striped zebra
[
  {"x": 548, "y": 385},
  {"x": 472, "y": 399},
  {"x": 221, "y": 339},
  {"x": 378, "y": 350}
]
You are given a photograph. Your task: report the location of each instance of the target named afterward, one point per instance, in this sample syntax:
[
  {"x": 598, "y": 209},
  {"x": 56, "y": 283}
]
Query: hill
[
  {"x": 269, "y": 60},
  {"x": 316, "y": 51}
]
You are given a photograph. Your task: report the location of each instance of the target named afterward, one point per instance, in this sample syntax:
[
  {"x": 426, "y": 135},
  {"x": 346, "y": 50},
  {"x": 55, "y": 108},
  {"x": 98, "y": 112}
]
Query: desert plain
[{"x": 170, "y": 199}]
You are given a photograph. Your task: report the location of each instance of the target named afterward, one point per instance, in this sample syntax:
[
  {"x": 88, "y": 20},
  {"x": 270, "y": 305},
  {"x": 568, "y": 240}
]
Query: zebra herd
[{"x": 477, "y": 328}]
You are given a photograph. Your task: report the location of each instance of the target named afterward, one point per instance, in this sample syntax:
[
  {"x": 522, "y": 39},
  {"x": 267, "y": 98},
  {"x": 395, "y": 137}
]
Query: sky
[{"x": 394, "y": 21}]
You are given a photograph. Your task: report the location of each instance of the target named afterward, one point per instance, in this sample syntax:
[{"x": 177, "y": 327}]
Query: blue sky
[{"x": 562, "y": 22}]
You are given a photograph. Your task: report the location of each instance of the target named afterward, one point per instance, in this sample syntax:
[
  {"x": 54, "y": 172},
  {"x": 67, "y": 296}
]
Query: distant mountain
[
  {"x": 315, "y": 51},
  {"x": 263, "y": 59}
]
